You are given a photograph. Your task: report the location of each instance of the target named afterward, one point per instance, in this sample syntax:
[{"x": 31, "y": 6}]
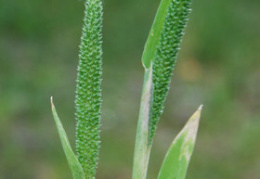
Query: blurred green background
[{"x": 217, "y": 66}]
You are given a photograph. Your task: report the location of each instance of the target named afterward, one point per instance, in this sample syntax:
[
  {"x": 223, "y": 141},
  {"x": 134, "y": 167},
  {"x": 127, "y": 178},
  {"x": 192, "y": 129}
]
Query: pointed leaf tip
[
  {"x": 177, "y": 159},
  {"x": 74, "y": 164},
  {"x": 52, "y": 105}
]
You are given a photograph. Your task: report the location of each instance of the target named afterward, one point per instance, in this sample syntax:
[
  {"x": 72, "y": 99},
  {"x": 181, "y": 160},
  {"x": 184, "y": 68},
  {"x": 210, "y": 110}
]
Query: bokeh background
[{"x": 218, "y": 66}]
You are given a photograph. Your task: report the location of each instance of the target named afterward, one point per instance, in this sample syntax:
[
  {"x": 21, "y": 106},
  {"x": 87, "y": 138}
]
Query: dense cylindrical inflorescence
[
  {"x": 165, "y": 58},
  {"x": 88, "y": 90}
]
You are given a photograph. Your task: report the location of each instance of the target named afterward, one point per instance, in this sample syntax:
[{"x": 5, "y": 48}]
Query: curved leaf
[
  {"x": 155, "y": 33},
  {"x": 177, "y": 159},
  {"x": 74, "y": 164}
]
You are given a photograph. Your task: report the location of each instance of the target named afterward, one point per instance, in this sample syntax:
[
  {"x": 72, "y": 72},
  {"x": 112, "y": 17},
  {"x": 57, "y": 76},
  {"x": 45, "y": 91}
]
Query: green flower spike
[{"x": 88, "y": 91}]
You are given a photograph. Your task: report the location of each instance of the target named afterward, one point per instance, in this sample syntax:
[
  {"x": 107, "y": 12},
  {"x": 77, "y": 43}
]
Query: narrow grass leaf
[
  {"x": 177, "y": 159},
  {"x": 77, "y": 171},
  {"x": 155, "y": 33}
]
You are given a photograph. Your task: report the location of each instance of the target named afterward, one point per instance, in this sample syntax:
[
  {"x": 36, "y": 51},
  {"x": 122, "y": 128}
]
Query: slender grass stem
[{"x": 142, "y": 147}]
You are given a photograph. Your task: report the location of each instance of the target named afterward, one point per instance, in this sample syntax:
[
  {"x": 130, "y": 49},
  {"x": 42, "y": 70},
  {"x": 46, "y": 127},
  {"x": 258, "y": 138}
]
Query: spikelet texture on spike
[
  {"x": 88, "y": 90},
  {"x": 165, "y": 57}
]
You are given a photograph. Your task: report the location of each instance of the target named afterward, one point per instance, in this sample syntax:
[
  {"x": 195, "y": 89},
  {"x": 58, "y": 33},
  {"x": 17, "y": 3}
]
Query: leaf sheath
[{"x": 142, "y": 149}]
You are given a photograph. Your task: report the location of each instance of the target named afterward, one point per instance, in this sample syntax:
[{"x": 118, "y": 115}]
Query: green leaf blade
[
  {"x": 177, "y": 159},
  {"x": 158, "y": 59},
  {"x": 75, "y": 166},
  {"x": 155, "y": 33}
]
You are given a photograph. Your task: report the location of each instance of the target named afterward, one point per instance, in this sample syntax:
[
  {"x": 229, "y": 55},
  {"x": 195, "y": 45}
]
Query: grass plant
[{"x": 159, "y": 58}]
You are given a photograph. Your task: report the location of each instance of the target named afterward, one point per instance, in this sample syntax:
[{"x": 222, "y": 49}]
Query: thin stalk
[{"x": 142, "y": 146}]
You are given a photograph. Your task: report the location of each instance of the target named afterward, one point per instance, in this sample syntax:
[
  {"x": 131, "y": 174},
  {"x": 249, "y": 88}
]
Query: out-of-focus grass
[{"x": 218, "y": 66}]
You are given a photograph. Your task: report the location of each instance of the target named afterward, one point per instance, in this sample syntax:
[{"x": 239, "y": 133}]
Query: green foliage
[
  {"x": 155, "y": 33},
  {"x": 44, "y": 36},
  {"x": 88, "y": 92},
  {"x": 159, "y": 58},
  {"x": 177, "y": 159},
  {"x": 142, "y": 149},
  {"x": 74, "y": 164}
]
